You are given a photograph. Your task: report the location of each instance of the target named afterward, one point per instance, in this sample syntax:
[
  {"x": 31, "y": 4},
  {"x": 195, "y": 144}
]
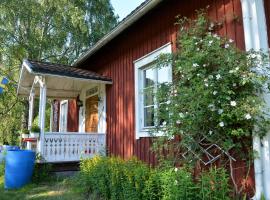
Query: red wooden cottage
[{"x": 107, "y": 110}]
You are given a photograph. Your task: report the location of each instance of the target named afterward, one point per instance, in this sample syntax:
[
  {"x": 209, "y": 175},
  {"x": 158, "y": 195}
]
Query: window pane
[
  {"x": 149, "y": 116},
  {"x": 163, "y": 74},
  {"x": 149, "y": 77},
  {"x": 148, "y": 96}
]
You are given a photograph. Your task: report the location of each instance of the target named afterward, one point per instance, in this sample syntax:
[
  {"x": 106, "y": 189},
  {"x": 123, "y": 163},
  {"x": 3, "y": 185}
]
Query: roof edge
[{"x": 123, "y": 25}]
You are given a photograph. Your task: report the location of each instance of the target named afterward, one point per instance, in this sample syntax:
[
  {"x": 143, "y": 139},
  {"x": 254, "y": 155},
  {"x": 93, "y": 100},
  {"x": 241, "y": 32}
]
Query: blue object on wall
[
  {"x": 19, "y": 168},
  {"x": 3, "y": 83}
]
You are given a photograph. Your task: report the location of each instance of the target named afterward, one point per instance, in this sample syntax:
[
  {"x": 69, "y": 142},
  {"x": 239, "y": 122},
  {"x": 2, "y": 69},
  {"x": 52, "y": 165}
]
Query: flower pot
[
  {"x": 25, "y": 135},
  {"x": 34, "y": 135}
]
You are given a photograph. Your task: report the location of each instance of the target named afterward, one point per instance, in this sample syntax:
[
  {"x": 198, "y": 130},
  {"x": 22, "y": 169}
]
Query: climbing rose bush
[{"x": 216, "y": 92}]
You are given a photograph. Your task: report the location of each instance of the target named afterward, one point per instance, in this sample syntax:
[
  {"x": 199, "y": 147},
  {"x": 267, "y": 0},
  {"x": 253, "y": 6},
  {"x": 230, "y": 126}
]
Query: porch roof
[{"x": 62, "y": 81}]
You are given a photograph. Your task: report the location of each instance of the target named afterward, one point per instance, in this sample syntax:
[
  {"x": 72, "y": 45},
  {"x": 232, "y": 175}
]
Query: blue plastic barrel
[
  {"x": 9, "y": 147},
  {"x": 4, "y": 149},
  {"x": 19, "y": 168}
]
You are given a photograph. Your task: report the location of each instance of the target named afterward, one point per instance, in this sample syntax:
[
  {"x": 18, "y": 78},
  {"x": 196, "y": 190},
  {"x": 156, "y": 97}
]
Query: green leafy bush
[
  {"x": 214, "y": 185},
  {"x": 153, "y": 190},
  {"x": 136, "y": 173},
  {"x": 42, "y": 173},
  {"x": 2, "y": 168},
  {"x": 178, "y": 184},
  {"x": 113, "y": 178},
  {"x": 116, "y": 179},
  {"x": 24, "y": 131},
  {"x": 94, "y": 176},
  {"x": 216, "y": 92},
  {"x": 35, "y": 129}
]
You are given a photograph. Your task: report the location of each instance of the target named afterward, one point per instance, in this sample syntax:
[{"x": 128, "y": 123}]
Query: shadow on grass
[{"x": 63, "y": 189}]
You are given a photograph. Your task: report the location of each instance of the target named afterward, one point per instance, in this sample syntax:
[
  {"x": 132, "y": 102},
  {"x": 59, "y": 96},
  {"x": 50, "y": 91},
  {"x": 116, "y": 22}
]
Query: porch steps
[{"x": 63, "y": 167}]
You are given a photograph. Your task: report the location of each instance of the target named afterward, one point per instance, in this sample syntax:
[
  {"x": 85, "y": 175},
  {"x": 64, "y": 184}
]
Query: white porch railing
[{"x": 64, "y": 147}]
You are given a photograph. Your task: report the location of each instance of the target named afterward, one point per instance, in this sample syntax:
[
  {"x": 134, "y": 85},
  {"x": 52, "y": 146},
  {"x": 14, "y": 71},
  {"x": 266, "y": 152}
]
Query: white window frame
[
  {"x": 140, "y": 65},
  {"x": 63, "y": 127}
]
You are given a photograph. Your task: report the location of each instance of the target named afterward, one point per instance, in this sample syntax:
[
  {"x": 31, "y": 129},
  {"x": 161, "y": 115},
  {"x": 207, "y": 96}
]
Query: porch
[
  {"x": 44, "y": 81},
  {"x": 66, "y": 147}
]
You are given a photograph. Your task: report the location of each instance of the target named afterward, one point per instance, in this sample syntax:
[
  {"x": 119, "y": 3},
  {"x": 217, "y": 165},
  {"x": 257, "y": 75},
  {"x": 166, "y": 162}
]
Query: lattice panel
[{"x": 209, "y": 152}]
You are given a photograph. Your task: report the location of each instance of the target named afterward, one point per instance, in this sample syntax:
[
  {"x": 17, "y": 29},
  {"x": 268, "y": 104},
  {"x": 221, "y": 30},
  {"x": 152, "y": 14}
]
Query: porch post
[
  {"x": 31, "y": 109},
  {"x": 51, "y": 117},
  {"x": 42, "y": 110},
  {"x": 30, "y": 118}
]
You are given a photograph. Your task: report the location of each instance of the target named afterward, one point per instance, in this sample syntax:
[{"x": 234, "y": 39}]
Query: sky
[{"x": 124, "y": 7}]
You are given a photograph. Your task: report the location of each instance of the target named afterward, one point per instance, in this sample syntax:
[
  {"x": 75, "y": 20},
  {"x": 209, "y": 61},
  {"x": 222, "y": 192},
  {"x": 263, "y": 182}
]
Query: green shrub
[
  {"x": 214, "y": 184},
  {"x": 116, "y": 179},
  {"x": 178, "y": 185},
  {"x": 2, "y": 169},
  {"x": 113, "y": 178},
  {"x": 152, "y": 189},
  {"x": 94, "y": 176},
  {"x": 24, "y": 131},
  {"x": 135, "y": 175},
  {"x": 35, "y": 129},
  {"x": 41, "y": 173}
]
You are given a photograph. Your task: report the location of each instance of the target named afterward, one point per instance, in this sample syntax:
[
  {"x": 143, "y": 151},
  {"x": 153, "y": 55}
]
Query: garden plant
[
  {"x": 118, "y": 179},
  {"x": 216, "y": 97}
]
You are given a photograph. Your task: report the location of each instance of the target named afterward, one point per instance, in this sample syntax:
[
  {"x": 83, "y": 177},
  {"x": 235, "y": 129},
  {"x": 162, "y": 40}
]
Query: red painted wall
[
  {"x": 267, "y": 16},
  {"x": 73, "y": 116},
  {"x": 115, "y": 60},
  {"x": 152, "y": 31}
]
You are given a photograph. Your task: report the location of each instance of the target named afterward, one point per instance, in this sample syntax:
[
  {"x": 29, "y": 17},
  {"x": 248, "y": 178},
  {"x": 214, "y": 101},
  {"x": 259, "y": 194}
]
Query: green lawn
[{"x": 56, "y": 189}]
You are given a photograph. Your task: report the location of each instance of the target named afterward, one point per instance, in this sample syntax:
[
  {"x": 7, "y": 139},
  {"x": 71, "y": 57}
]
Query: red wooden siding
[
  {"x": 56, "y": 110},
  {"x": 115, "y": 60},
  {"x": 267, "y": 16},
  {"x": 73, "y": 121},
  {"x": 152, "y": 31}
]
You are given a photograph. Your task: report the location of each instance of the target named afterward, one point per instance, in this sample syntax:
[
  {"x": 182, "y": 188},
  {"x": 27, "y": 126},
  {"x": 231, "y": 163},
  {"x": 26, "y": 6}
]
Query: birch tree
[{"x": 45, "y": 30}]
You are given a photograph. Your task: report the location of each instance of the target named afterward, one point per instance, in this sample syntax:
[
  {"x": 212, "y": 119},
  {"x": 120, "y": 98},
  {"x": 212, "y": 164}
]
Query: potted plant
[
  {"x": 34, "y": 132},
  {"x": 25, "y": 133}
]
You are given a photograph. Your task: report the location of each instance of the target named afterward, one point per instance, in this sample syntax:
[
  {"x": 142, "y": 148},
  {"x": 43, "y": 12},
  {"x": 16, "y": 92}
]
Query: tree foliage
[{"x": 46, "y": 30}]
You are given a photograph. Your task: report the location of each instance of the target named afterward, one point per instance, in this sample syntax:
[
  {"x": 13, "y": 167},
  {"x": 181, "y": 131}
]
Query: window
[
  {"x": 63, "y": 116},
  {"x": 147, "y": 79}
]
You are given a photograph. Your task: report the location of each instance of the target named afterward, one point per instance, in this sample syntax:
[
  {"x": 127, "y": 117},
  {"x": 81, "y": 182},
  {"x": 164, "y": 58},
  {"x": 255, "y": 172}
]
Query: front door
[{"x": 91, "y": 112}]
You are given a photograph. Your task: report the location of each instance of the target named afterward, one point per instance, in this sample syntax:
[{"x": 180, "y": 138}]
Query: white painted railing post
[
  {"x": 30, "y": 119},
  {"x": 51, "y": 117},
  {"x": 42, "y": 111},
  {"x": 31, "y": 109}
]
